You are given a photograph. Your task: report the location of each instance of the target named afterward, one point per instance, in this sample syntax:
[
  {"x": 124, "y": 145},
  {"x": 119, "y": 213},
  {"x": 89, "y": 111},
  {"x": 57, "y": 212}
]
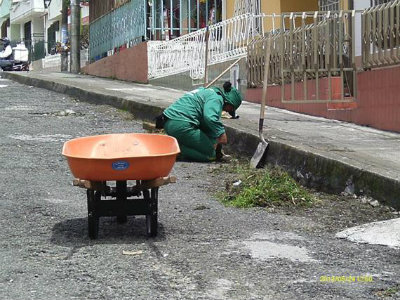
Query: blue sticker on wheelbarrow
[{"x": 120, "y": 165}]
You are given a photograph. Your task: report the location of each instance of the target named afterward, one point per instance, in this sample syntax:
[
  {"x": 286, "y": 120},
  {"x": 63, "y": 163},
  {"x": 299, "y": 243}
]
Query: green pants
[{"x": 195, "y": 144}]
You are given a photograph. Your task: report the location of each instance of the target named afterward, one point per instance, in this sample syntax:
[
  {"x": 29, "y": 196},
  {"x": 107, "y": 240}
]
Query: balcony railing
[
  {"x": 381, "y": 35},
  {"x": 122, "y": 26},
  {"x": 226, "y": 40},
  {"x": 312, "y": 46}
]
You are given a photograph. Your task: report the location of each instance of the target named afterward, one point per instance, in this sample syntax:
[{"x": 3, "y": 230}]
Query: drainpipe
[
  {"x": 75, "y": 36},
  {"x": 64, "y": 36}
]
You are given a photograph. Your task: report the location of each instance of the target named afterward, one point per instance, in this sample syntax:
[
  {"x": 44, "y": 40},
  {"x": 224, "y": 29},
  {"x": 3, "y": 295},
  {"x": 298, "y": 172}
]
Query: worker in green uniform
[{"x": 195, "y": 121}]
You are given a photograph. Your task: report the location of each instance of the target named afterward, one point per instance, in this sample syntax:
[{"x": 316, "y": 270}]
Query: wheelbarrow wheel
[
  {"x": 93, "y": 218},
  {"x": 152, "y": 218}
]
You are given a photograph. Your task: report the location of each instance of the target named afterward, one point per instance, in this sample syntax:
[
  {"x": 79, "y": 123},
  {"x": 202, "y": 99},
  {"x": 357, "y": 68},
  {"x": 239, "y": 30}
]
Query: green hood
[{"x": 233, "y": 97}]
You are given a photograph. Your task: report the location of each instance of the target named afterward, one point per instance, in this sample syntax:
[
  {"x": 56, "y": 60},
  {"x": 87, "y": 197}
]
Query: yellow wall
[
  {"x": 296, "y": 5},
  {"x": 344, "y": 4},
  {"x": 230, "y": 8},
  {"x": 269, "y": 7},
  {"x": 281, "y": 6}
]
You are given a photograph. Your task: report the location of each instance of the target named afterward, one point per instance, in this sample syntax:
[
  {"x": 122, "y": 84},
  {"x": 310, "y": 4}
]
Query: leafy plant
[{"x": 263, "y": 187}]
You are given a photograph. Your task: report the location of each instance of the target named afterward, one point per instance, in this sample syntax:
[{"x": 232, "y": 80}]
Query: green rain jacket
[{"x": 202, "y": 108}]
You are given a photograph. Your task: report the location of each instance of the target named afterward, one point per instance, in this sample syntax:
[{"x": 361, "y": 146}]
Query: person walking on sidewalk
[{"x": 195, "y": 121}]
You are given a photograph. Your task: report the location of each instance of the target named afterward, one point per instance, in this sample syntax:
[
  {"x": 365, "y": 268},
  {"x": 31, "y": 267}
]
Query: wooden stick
[
  {"x": 145, "y": 184},
  {"x": 223, "y": 73},
  {"x": 207, "y": 37},
  {"x": 148, "y": 184},
  {"x": 87, "y": 184}
]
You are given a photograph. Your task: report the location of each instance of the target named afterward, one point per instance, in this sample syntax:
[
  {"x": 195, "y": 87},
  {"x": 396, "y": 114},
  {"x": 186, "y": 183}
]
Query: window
[
  {"x": 378, "y": 2},
  {"x": 169, "y": 19},
  {"x": 326, "y": 5}
]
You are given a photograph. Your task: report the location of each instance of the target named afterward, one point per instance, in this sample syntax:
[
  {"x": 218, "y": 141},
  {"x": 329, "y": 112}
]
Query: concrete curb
[{"x": 308, "y": 168}]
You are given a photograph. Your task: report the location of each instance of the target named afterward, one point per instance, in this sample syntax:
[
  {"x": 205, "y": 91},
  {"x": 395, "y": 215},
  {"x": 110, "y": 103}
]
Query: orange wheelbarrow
[{"x": 145, "y": 158}]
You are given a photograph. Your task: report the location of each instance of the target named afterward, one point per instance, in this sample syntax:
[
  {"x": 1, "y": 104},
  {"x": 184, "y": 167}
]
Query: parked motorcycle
[{"x": 19, "y": 60}]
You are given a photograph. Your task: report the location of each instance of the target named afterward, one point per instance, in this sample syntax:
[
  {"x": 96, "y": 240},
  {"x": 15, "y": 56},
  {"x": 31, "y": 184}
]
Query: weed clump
[{"x": 273, "y": 187}]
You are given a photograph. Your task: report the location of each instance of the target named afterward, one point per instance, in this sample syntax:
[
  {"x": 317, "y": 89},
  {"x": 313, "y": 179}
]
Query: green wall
[{"x": 5, "y": 9}]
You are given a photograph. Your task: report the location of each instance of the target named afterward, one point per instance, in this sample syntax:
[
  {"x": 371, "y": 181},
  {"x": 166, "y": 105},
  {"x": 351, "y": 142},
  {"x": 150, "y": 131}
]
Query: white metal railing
[{"x": 227, "y": 40}]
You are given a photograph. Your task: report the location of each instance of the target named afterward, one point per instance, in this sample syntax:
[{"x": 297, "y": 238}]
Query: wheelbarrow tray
[{"x": 125, "y": 156}]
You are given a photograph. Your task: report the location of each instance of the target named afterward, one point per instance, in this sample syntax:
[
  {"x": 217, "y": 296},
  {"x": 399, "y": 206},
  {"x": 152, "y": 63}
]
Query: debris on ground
[
  {"x": 132, "y": 253},
  {"x": 201, "y": 207}
]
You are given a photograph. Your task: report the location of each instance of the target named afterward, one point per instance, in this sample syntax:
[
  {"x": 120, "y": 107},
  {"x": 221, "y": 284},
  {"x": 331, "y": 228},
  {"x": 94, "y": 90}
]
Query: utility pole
[
  {"x": 75, "y": 36},
  {"x": 64, "y": 36}
]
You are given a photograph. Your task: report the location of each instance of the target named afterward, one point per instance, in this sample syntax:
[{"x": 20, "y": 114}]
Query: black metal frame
[{"x": 122, "y": 206}]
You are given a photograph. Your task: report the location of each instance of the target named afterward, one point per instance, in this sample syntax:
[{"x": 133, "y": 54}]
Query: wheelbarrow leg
[
  {"x": 152, "y": 218},
  {"x": 93, "y": 199},
  {"x": 121, "y": 187}
]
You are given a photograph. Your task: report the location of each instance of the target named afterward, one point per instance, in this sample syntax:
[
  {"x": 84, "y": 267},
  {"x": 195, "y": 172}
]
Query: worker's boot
[{"x": 220, "y": 155}]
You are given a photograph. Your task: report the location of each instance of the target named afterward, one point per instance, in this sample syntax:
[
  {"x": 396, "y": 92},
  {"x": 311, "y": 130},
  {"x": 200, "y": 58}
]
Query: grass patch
[
  {"x": 247, "y": 187},
  {"x": 389, "y": 292}
]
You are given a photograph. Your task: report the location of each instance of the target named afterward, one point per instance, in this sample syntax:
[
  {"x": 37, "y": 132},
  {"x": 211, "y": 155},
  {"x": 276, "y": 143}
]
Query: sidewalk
[{"x": 325, "y": 154}]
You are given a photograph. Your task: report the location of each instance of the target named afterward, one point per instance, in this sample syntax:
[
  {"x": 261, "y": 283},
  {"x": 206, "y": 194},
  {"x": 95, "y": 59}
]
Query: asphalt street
[{"x": 203, "y": 251}]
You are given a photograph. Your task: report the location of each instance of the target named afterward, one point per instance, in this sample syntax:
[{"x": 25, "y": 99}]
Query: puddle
[{"x": 41, "y": 138}]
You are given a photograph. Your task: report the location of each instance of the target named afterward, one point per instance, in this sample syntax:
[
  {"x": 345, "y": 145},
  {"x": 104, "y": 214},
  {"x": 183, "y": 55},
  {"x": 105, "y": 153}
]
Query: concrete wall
[
  {"x": 54, "y": 9},
  {"x": 15, "y": 30},
  {"x": 37, "y": 28},
  {"x": 129, "y": 64},
  {"x": 377, "y": 104},
  {"x": 52, "y": 63}
]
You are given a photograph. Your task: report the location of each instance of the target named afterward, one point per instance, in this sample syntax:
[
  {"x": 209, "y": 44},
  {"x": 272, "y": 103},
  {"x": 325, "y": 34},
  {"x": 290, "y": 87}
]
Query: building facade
[
  {"x": 26, "y": 22},
  {"x": 37, "y": 23}
]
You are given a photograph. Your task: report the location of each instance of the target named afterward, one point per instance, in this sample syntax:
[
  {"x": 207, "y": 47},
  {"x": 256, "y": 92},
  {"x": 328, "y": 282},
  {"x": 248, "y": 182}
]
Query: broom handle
[
  {"x": 265, "y": 87},
  {"x": 223, "y": 73},
  {"x": 207, "y": 37}
]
